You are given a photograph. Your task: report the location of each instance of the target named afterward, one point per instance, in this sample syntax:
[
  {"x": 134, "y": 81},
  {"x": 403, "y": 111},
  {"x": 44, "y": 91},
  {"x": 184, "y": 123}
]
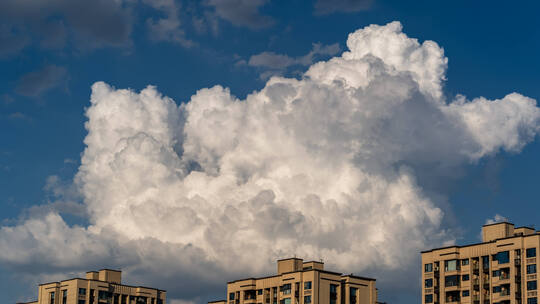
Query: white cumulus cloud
[{"x": 321, "y": 167}]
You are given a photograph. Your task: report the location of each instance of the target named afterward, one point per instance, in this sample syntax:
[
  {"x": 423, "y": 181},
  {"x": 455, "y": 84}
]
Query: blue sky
[{"x": 51, "y": 55}]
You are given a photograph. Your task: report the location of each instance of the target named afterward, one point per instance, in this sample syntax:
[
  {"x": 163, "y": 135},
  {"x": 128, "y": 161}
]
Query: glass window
[
  {"x": 231, "y": 296},
  {"x": 465, "y": 277},
  {"x": 81, "y": 301},
  {"x": 531, "y": 268},
  {"x": 531, "y": 285},
  {"x": 51, "y": 297},
  {"x": 259, "y": 292},
  {"x": 333, "y": 294},
  {"x": 532, "y": 301},
  {"x": 307, "y": 299},
  {"x": 450, "y": 265},
  {"x": 352, "y": 295},
  {"x": 465, "y": 293},
  {"x": 485, "y": 261},
  {"x": 531, "y": 252},
  {"x": 428, "y": 298},
  {"x": 82, "y": 291},
  {"x": 503, "y": 257},
  {"x": 428, "y": 267},
  {"x": 307, "y": 285},
  {"x": 64, "y": 296},
  {"x": 428, "y": 283},
  {"x": 286, "y": 288},
  {"x": 465, "y": 262},
  {"x": 496, "y": 289},
  {"x": 451, "y": 281},
  {"x": 285, "y": 301}
]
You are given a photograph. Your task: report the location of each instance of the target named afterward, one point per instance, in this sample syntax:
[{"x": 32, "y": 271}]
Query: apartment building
[
  {"x": 299, "y": 282},
  {"x": 103, "y": 287},
  {"x": 500, "y": 270}
]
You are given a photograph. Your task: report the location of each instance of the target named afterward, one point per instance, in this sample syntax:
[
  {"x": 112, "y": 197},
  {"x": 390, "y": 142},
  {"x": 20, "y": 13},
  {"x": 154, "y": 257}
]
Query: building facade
[
  {"x": 299, "y": 282},
  {"x": 500, "y": 270},
  {"x": 103, "y": 287}
]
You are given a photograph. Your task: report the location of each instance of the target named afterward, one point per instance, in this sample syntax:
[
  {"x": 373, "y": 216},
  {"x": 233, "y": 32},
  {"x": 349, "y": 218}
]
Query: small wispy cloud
[
  {"x": 496, "y": 219},
  {"x": 324, "y": 7},
  {"x": 244, "y": 13},
  {"x": 272, "y": 63},
  {"x": 38, "y": 82}
]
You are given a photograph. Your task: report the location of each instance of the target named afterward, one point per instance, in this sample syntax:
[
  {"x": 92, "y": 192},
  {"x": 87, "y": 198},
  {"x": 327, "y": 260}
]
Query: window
[
  {"x": 532, "y": 301},
  {"x": 285, "y": 301},
  {"x": 531, "y": 252},
  {"x": 496, "y": 289},
  {"x": 51, "y": 297},
  {"x": 428, "y": 267},
  {"x": 465, "y": 293},
  {"x": 333, "y": 293},
  {"x": 496, "y": 273},
  {"x": 104, "y": 295},
  {"x": 307, "y": 285},
  {"x": 465, "y": 277},
  {"x": 531, "y": 268},
  {"x": 81, "y": 302},
  {"x": 307, "y": 299},
  {"x": 465, "y": 262},
  {"x": 231, "y": 296},
  {"x": 531, "y": 285},
  {"x": 503, "y": 257},
  {"x": 64, "y": 296},
  {"x": 485, "y": 261},
  {"x": 428, "y": 283},
  {"x": 259, "y": 292},
  {"x": 286, "y": 288},
  {"x": 352, "y": 295},
  {"x": 428, "y": 298},
  {"x": 451, "y": 265},
  {"x": 450, "y": 281},
  {"x": 82, "y": 291}
]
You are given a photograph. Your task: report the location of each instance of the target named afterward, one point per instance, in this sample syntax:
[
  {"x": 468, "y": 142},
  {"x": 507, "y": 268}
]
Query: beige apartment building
[
  {"x": 299, "y": 282},
  {"x": 500, "y": 270},
  {"x": 103, "y": 287}
]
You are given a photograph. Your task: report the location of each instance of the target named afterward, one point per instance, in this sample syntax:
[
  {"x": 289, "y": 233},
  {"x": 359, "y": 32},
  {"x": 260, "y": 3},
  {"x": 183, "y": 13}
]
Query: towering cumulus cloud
[{"x": 325, "y": 167}]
